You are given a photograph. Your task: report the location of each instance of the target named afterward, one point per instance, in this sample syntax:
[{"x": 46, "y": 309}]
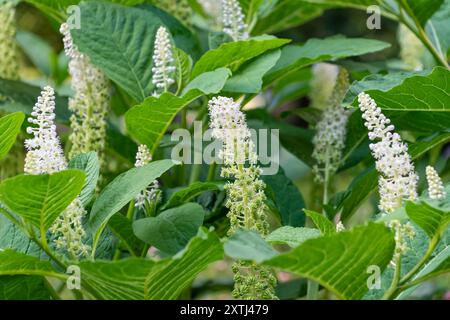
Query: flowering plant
[{"x": 157, "y": 149}]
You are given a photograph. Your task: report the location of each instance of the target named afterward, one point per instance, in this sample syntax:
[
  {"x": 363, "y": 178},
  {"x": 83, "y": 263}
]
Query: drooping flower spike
[
  {"x": 234, "y": 20},
  {"x": 90, "y": 103},
  {"x": 398, "y": 179},
  {"x": 435, "y": 185},
  {"x": 163, "y": 62},
  {"x": 151, "y": 193},
  {"x": 246, "y": 198},
  {"x": 45, "y": 156}
]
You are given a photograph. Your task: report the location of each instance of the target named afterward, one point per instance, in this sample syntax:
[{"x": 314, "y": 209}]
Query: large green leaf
[
  {"x": 432, "y": 220},
  {"x": 171, "y": 230},
  {"x": 292, "y": 236},
  {"x": 248, "y": 79},
  {"x": 37, "y": 50},
  {"x": 119, "y": 40},
  {"x": 122, "y": 228},
  {"x": 339, "y": 262},
  {"x": 15, "y": 263},
  {"x": 9, "y": 129},
  {"x": 424, "y": 9},
  {"x": 88, "y": 162},
  {"x": 233, "y": 54},
  {"x": 286, "y": 15},
  {"x": 120, "y": 191},
  {"x": 287, "y": 199},
  {"x": 148, "y": 121},
  {"x": 137, "y": 279},
  {"x": 41, "y": 199},
  {"x": 294, "y": 57},
  {"x": 248, "y": 245},
  {"x": 20, "y": 96},
  {"x": 437, "y": 28},
  {"x": 23, "y": 288}
]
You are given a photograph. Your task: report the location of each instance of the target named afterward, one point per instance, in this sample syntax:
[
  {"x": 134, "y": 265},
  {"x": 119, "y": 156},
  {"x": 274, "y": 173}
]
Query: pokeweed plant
[{"x": 110, "y": 204}]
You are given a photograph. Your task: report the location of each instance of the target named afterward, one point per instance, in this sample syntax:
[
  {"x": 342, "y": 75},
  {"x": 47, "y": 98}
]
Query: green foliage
[
  {"x": 9, "y": 129},
  {"x": 88, "y": 162}
]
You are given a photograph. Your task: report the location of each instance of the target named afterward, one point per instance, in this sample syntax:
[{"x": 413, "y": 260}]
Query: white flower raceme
[
  {"x": 233, "y": 20},
  {"x": 246, "y": 198},
  {"x": 163, "y": 62},
  {"x": 45, "y": 156},
  {"x": 150, "y": 194},
  {"x": 90, "y": 103},
  {"x": 411, "y": 49},
  {"x": 435, "y": 186},
  {"x": 398, "y": 180},
  {"x": 331, "y": 132},
  {"x": 402, "y": 232},
  {"x": 9, "y": 66},
  {"x": 324, "y": 77}
]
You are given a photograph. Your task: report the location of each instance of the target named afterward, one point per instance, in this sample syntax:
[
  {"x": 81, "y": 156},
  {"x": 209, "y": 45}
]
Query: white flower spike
[
  {"x": 233, "y": 20},
  {"x": 9, "y": 66},
  {"x": 163, "y": 62},
  {"x": 435, "y": 186},
  {"x": 150, "y": 194},
  {"x": 398, "y": 179}
]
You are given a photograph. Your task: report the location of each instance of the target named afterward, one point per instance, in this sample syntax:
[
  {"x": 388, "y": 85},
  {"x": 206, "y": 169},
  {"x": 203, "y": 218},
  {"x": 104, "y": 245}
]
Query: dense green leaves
[
  {"x": 88, "y": 162},
  {"x": 139, "y": 279},
  {"x": 339, "y": 262},
  {"x": 122, "y": 190},
  {"x": 38, "y": 199},
  {"x": 172, "y": 229},
  {"x": 148, "y": 121},
  {"x": 9, "y": 129},
  {"x": 23, "y": 288},
  {"x": 15, "y": 263}
]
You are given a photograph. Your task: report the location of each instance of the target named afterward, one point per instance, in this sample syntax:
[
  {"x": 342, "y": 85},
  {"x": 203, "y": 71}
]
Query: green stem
[
  {"x": 195, "y": 173},
  {"x": 211, "y": 172},
  {"x": 390, "y": 293},
  {"x": 130, "y": 210}
]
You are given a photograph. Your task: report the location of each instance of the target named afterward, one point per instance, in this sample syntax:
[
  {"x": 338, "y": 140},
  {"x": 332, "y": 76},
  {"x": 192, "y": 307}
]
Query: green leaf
[
  {"x": 15, "y": 263},
  {"x": 39, "y": 199},
  {"x": 432, "y": 220},
  {"x": 248, "y": 245},
  {"x": 233, "y": 54},
  {"x": 148, "y": 121},
  {"x": 20, "y": 96},
  {"x": 216, "y": 39},
  {"x": 424, "y": 9},
  {"x": 137, "y": 278},
  {"x": 172, "y": 229},
  {"x": 248, "y": 79},
  {"x": 339, "y": 262},
  {"x": 437, "y": 28},
  {"x": 292, "y": 236},
  {"x": 287, "y": 199},
  {"x": 120, "y": 191},
  {"x": 122, "y": 228},
  {"x": 183, "y": 68},
  {"x": 9, "y": 129},
  {"x": 190, "y": 192},
  {"x": 294, "y": 57},
  {"x": 119, "y": 40},
  {"x": 37, "y": 50},
  {"x": 286, "y": 15},
  {"x": 23, "y": 288},
  {"x": 325, "y": 226},
  {"x": 88, "y": 162}
]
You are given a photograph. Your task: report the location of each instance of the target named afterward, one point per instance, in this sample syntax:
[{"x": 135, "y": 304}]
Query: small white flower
[
  {"x": 233, "y": 20},
  {"x": 163, "y": 62},
  {"x": 229, "y": 126},
  {"x": 398, "y": 179},
  {"x": 44, "y": 150},
  {"x": 435, "y": 186},
  {"x": 151, "y": 193},
  {"x": 90, "y": 103},
  {"x": 340, "y": 226},
  {"x": 331, "y": 132}
]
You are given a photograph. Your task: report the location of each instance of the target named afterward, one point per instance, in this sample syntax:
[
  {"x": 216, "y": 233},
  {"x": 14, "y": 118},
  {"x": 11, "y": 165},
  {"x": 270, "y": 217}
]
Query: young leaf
[
  {"x": 292, "y": 236},
  {"x": 120, "y": 191},
  {"x": 172, "y": 229},
  {"x": 137, "y": 278},
  {"x": 88, "y": 162},
  {"x": 325, "y": 226},
  {"x": 190, "y": 192},
  {"x": 40, "y": 199},
  {"x": 9, "y": 129},
  {"x": 339, "y": 262}
]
